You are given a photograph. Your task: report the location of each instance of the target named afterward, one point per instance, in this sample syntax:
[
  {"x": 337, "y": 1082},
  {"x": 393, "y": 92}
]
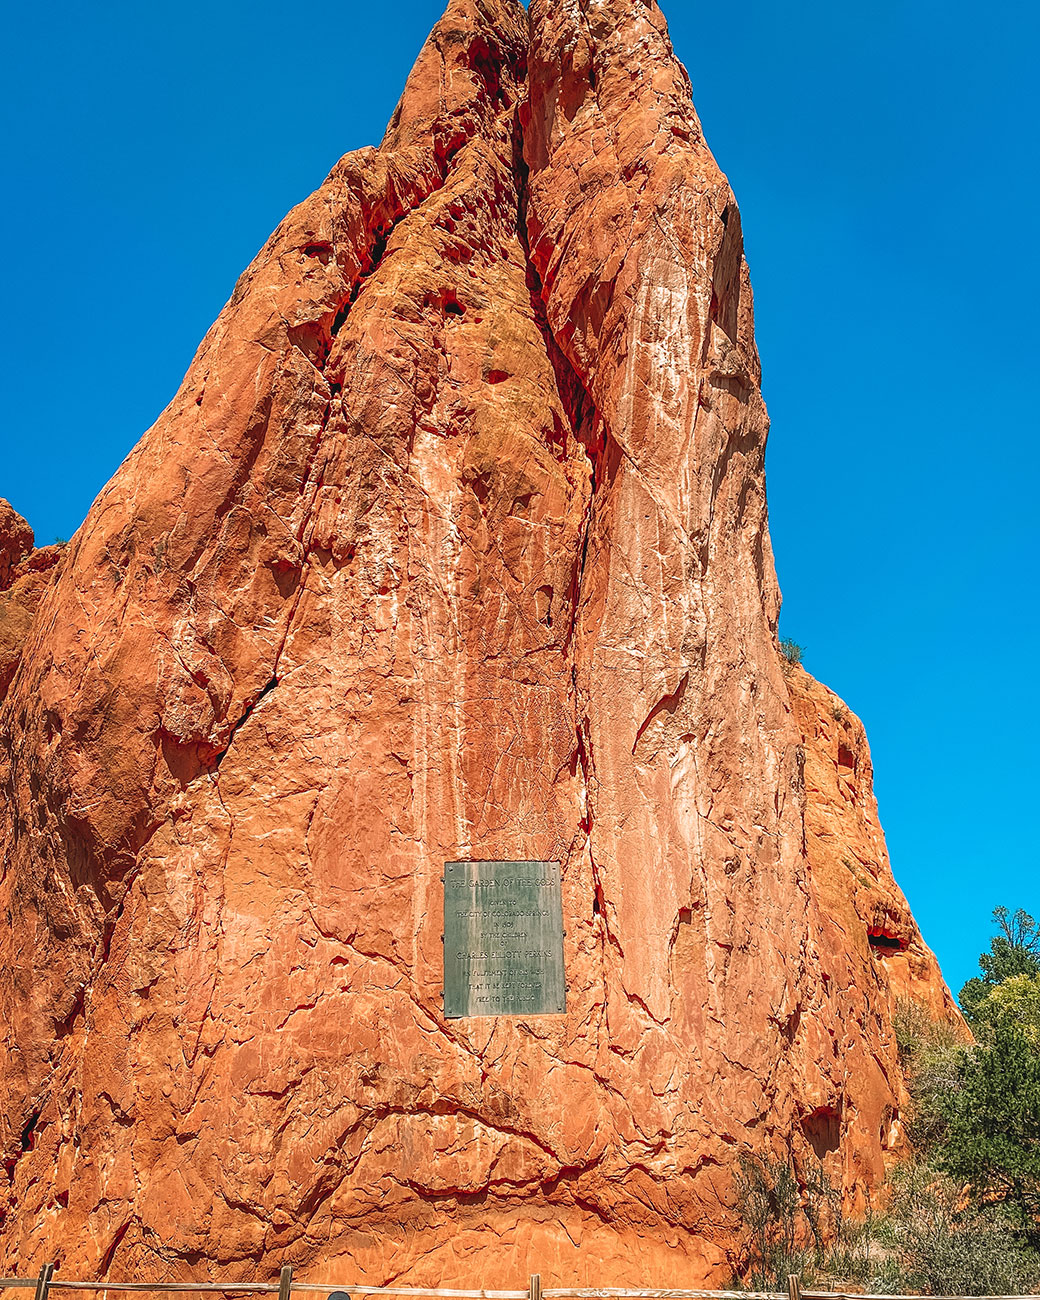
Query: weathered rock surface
[
  {"x": 16, "y": 542},
  {"x": 25, "y": 574},
  {"x": 453, "y": 544},
  {"x": 846, "y": 849}
]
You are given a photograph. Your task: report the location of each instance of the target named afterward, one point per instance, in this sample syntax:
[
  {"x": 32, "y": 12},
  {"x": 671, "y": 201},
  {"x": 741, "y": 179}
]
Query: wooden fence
[{"x": 286, "y": 1285}]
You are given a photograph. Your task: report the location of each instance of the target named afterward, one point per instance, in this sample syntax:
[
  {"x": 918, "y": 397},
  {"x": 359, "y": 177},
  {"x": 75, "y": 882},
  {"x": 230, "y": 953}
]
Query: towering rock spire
[{"x": 452, "y": 545}]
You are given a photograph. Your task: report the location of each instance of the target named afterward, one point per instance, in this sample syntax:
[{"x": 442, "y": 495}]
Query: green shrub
[
  {"x": 792, "y": 652},
  {"x": 932, "y": 1056},
  {"x": 769, "y": 1203},
  {"x": 794, "y": 1223},
  {"x": 1014, "y": 1003},
  {"x": 934, "y": 1243}
]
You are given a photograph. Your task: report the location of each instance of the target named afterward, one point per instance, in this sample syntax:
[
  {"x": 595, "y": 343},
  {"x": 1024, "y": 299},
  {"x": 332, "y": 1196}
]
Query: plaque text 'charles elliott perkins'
[{"x": 503, "y": 939}]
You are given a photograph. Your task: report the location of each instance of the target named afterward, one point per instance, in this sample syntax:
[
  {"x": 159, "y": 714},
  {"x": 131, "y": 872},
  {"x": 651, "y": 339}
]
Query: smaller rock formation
[
  {"x": 16, "y": 541},
  {"x": 846, "y": 849},
  {"x": 25, "y": 574}
]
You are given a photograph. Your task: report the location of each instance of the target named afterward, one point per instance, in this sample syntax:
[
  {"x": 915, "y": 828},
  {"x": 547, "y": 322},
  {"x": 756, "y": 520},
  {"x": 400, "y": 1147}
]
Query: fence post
[
  {"x": 794, "y": 1287},
  {"x": 285, "y": 1282},
  {"x": 535, "y": 1289},
  {"x": 43, "y": 1282}
]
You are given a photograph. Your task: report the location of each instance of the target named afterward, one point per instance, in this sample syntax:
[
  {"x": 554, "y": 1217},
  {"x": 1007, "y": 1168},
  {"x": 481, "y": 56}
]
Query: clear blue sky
[{"x": 884, "y": 157}]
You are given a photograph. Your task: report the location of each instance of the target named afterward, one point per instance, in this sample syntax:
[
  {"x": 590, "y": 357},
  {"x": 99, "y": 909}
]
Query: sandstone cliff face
[
  {"x": 452, "y": 545},
  {"x": 25, "y": 574}
]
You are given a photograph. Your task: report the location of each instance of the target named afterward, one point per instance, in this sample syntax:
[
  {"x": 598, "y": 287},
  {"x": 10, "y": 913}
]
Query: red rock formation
[
  {"x": 846, "y": 848},
  {"x": 25, "y": 574},
  {"x": 16, "y": 542},
  {"x": 452, "y": 545}
]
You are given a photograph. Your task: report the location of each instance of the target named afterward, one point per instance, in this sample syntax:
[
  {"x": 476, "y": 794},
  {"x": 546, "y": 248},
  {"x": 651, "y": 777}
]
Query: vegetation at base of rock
[
  {"x": 930, "y": 1054},
  {"x": 793, "y": 1223},
  {"x": 990, "y": 1142},
  {"x": 930, "y": 1240},
  {"x": 962, "y": 1216},
  {"x": 926, "y": 1240}
]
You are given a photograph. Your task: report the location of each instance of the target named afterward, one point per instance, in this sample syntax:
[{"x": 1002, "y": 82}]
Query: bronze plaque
[{"x": 503, "y": 939}]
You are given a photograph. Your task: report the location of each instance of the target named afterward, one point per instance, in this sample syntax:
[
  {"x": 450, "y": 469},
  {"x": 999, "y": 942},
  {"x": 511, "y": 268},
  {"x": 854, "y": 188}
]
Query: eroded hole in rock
[
  {"x": 846, "y": 758},
  {"x": 321, "y": 250},
  {"x": 823, "y": 1130},
  {"x": 885, "y": 942}
]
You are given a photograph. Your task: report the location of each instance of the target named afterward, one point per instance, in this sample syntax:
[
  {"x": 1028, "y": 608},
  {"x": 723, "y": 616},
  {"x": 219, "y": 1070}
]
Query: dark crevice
[
  {"x": 381, "y": 237},
  {"x": 585, "y": 765},
  {"x": 246, "y": 715},
  {"x": 28, "y": 1138},
  {"x": 314, "y": 338},
  {"x": 882, "y": 941},
  {"x": 109, "y": 1255},
  {"x": 582, "y": 417}
]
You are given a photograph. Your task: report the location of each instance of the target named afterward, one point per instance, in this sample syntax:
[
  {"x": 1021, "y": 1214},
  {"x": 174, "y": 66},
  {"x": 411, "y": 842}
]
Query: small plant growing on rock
[{"x": 792, "y": 652}]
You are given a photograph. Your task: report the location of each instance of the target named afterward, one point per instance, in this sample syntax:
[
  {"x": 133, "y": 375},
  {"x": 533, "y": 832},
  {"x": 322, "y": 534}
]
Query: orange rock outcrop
[
  {"x": 846, "y": 849},
  {"x": 25, "y": 574},
  {"x": 453, "y": 544}
]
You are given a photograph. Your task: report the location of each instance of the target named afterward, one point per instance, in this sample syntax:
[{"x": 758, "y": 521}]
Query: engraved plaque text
[{"x": 503, "y": 939}]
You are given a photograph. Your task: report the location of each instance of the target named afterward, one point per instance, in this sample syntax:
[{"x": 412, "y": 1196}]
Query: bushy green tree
[
  {"x": 991, "y": 1141},
  {"x": 1015, "y": 950},
  {"x": 1013, "y": 1002}
]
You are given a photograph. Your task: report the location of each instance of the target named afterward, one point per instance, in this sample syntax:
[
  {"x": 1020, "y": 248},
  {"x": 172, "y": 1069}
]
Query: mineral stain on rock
[{"x": 452, "y": 546}]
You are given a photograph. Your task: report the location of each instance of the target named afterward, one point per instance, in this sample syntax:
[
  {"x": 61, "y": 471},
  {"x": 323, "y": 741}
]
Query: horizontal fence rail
[{"x": 47, "y": 1282}]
